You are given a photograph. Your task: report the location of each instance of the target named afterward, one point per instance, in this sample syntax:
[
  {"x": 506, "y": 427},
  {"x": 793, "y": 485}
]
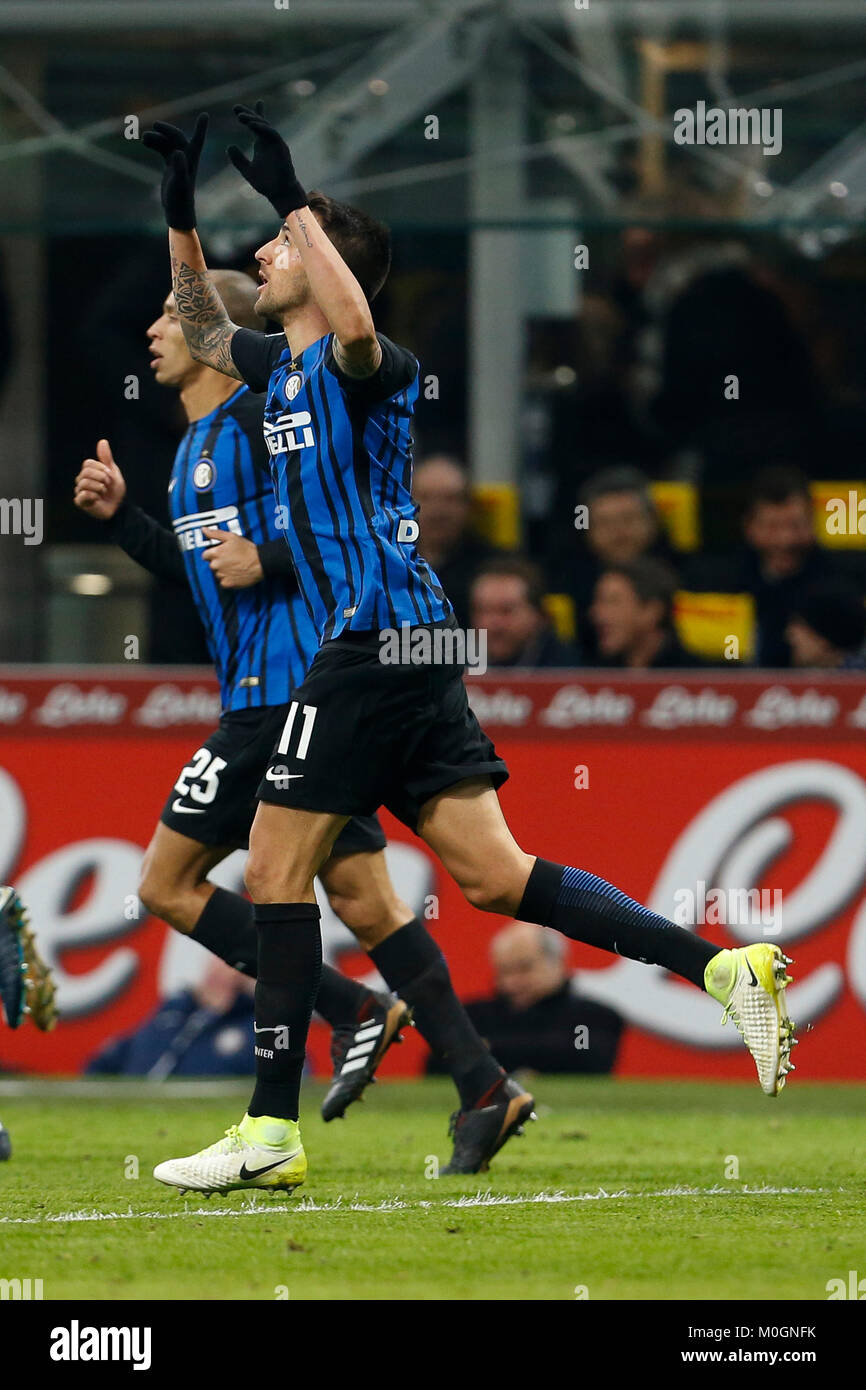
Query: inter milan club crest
[
  {"x": 294, "y": 382},
  {"x": 203, "y": 475}
]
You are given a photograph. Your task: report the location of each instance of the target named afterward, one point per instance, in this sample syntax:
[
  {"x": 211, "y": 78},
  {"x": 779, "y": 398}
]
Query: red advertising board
[{"x": 693, "y": 793}]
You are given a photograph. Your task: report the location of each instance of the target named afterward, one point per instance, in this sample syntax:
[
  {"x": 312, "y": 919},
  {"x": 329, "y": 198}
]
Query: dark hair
[
  {"x": 516, "y": 567},
  {"x": 364, "y": 243},
  {"x": 776, "y": 485},
  {"x": 652, "y": 581},
  {"x": 621, "y": 478}
]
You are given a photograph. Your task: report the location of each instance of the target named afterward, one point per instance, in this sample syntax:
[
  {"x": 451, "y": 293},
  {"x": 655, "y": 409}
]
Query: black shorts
[
  {"x": 361, "y": 734},
  {"x": 214, "y": 799}
]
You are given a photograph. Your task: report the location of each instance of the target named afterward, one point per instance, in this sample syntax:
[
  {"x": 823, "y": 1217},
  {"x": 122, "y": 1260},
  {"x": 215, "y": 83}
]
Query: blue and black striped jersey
[
  {"x": 261, "y": 638},
  {"x": 341, "y": 457}
]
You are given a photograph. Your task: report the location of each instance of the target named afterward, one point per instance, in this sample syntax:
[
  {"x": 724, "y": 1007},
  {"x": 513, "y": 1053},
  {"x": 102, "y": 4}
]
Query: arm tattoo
[
  {"x": 207, "y": 328},
  {"x": 303, "y": 226}
]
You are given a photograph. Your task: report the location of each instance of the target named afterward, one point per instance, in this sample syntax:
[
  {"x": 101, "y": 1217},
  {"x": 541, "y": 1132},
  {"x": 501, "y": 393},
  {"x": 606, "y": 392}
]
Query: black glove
[
  {"x": 271, "y": 171},
  {"x": 181, "y": 157}
]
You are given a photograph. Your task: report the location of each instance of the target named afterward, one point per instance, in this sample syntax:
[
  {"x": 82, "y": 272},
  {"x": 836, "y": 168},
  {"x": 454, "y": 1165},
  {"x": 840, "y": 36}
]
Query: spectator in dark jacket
[
  {"x": 827, "y": 627},
  {"x": 506, "y": 604},
  {"x": 632, "y": 613},
  {"x": 778, "y": 563},
  {"x": 205, "y": 1031},
  {"x": 447, "y": 542},
  {"x": 537, "y": 1019},
  {"x": 622, "y": 524}
]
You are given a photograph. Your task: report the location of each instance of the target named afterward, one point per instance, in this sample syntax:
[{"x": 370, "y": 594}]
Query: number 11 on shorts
[{"x": 309, "y": 712}]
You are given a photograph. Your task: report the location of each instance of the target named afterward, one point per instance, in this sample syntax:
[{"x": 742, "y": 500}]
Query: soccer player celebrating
[
  {"x": 262, "y": 640},
  {"x": 362, "y": 732}
]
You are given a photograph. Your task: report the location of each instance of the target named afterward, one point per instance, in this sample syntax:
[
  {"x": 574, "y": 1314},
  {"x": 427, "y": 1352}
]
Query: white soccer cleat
[
  {"x": 259, "y": 1152},
  {"x": 750, "y": 983}
]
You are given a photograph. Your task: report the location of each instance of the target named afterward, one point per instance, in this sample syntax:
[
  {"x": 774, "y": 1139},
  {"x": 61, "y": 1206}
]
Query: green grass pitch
[{"x": 627, "y": 1190}]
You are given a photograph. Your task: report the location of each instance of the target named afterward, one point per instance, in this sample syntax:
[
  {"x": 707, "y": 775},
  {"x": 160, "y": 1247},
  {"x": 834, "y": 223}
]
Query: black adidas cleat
[
  {"x": 479, "y": 1133},
  {"x": 357, "y": 1051},
  {"x": 26, "y": 983},
  {"x": 5, "y": 1143}
]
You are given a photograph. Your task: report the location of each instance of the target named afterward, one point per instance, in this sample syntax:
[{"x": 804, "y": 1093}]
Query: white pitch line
[{"x": 478, "y": 1199}]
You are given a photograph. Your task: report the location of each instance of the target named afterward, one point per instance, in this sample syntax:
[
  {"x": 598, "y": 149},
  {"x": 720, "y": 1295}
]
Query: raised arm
[
  {"x": 337, "y": 292},
  {"x": 207, "y": 328},
  {"x": 339, "y": 296}
]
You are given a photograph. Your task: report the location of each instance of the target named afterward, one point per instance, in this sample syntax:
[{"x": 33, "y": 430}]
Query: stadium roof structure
[
  {"x": 525, "y": 124},
  {"x": 581, "y": 99},
  {"x": 18, "y": 16}
]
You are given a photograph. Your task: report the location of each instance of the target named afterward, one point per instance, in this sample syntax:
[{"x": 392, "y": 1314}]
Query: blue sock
[{"x": 587, "y": 908}]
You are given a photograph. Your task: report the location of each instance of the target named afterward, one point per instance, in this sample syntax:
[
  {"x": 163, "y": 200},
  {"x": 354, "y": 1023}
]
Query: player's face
[
  {"x": 170, "y": 361},
  {"x": 620, "y": 618},
  {"x": 500, "y": 607},
  {"x": 283, "y": 283}
]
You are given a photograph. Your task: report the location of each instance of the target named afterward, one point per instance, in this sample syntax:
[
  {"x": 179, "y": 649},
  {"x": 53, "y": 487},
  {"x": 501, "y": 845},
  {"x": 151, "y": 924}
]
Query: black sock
[
  {"x": 588, "y": 908},
  {"x": 290, "y": 965},
  {"x": 226, "y": 927},
  {"x": 341, "y": 1001},
  {"x": 413, "y": 966}
]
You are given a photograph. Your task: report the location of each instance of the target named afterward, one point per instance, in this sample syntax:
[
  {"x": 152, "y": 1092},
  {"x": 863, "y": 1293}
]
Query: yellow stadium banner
[
  {"x": 678, "y": 507},
  {"x": 560, "y": 610},
  {"x": 839, "y": 511},
  {"x": 496, "y": 513},
  {"x": 717, "y": 627}
]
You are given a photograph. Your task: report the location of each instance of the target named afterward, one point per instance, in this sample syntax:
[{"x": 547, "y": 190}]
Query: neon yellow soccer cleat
[
  {"x": 260, "y": 1152},
  {"x": 750, "y": 984}
]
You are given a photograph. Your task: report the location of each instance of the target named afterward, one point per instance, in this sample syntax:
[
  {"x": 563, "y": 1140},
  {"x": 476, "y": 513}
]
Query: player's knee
[
  {"x": 368, "y": 921},
  {"x": 258, "y": 877},
  {"x": 493, "y": 893},
  {"x": 268, "y": 881},
  {"x": 370, "y": 916},
  {"x": 158, "y": 894},
  {"x": 351, "y": 912}
]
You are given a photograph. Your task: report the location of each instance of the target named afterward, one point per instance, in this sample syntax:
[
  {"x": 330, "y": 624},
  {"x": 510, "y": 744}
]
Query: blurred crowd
[
  {"x": 733, "y": 370},
  {"x": 695, "y": 362},
  {"x": 622, "y": 578},
  {"x": 537, "y": 1018}
]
